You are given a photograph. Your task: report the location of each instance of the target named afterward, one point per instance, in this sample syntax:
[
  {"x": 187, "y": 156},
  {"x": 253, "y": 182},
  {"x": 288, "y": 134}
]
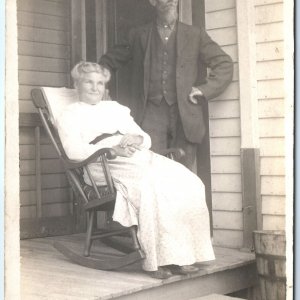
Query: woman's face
[{"x": 91, "y": 88}]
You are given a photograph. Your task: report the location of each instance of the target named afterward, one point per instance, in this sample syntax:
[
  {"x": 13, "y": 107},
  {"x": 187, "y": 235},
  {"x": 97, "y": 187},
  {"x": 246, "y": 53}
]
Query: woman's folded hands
[{"x": 128, "y": 145}]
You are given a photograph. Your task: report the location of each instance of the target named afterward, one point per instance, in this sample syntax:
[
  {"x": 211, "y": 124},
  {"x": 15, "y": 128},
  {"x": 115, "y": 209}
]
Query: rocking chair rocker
[{"x": 50, "y": 102}]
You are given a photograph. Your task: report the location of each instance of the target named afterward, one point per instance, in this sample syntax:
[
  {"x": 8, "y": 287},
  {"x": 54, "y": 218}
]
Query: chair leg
[
  {"x": 88, "y": 241},
  {"x": 133, "y": 232}
]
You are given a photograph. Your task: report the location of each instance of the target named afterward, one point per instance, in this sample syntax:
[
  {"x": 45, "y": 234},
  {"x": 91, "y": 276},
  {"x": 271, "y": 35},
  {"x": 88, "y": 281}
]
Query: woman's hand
[
  {"x": 125, "y": 151},
  {"x": 131, "y": 140}
]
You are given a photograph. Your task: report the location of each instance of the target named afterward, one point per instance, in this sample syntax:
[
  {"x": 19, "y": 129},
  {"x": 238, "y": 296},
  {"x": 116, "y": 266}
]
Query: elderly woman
[{"x": 162, "y": 197}]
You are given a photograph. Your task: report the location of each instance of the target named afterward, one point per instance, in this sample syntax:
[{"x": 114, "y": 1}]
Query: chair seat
[
  {"x": 107, "y": 201},
  {"x": 92, "y": 195}
]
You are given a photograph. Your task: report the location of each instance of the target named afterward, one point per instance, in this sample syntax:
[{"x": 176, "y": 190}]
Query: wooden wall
[
  {"x": 44, "y": 60},
  {"x": 225, "y": 121},
  {"x": 43, "y": 46},
  {"x": 269, "y": 68},
  {"x": 225, "y": 133}
]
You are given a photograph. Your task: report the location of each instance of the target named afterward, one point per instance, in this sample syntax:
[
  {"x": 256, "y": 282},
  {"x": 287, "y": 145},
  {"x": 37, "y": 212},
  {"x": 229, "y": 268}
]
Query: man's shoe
[{"x": 161, "y": 273}]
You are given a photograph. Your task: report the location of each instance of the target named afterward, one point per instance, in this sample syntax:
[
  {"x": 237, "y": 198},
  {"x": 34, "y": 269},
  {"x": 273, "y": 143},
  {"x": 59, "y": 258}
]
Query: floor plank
[{"x": 47, "y": 274}]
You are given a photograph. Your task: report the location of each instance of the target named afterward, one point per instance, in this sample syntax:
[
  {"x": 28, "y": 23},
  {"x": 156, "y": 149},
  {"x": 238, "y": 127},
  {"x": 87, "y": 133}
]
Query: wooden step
[{"x": 216, "y": 297}]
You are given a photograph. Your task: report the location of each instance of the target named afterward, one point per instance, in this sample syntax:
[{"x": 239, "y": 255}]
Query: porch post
[
  {"x": 11, "y": 167},
  {"x": 249, "y": 120}
]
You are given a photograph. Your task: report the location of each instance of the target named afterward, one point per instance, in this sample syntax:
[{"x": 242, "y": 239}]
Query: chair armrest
[
  {"x": 173, "y": 153},
  {"x": 108, "y": 152}
]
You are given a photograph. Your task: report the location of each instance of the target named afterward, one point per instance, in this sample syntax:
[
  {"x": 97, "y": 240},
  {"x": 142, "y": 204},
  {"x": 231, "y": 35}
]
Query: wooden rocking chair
[{"x": 50, "y": 102}]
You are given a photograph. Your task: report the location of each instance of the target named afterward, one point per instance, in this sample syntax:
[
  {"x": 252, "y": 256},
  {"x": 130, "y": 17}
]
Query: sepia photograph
[{"x": 149, "y": 149}]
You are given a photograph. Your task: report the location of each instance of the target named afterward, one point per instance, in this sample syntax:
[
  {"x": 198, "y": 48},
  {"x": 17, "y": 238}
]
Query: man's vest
[{"x": 162, "y": 69}]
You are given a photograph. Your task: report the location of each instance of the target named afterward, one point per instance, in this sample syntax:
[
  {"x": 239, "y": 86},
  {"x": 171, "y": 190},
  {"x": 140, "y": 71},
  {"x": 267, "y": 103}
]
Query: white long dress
[{"x": 161, "y": 196}]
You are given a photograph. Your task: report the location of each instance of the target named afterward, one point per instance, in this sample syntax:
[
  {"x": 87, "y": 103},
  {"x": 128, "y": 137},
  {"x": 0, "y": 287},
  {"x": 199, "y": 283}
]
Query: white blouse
[{"x": 81, "y": 123}]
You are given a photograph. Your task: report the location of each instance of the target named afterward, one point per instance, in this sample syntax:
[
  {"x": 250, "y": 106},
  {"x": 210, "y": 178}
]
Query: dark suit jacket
[{"x": 195, "y": 52}]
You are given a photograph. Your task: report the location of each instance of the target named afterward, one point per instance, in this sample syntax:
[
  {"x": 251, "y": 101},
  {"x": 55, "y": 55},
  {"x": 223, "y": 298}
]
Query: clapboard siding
[
  {"x": 270, "y": 89},
  {"x": 271, "y": 111},
  {"x": 225, "y": 146},
  {"x": 227, "y": 165},
  {"x": 44, "y": 50},
  {"x": 225, "y": 133},
  {"x": 225, "y": 127},
  {"x": 27, "y": 107},
  {"x": 42, "y": 78},
  {"x": 48, "y": 166},
  {"x": 272, "y": 166},
  {"x": 269, "y": 70},
  {"x": 272, "y": 147},
  {"x": 270, "y": 108},
  {"x": 228, "y": 238},
  {"x": 44, "y": 7},
  {"x": 28, "y": 182},
  {"x": 215, "y": 5},
  {"x": 43, "y": 35},
  {"x": 48, "y": 196},
  {"x": 27, "y": 136},
  {"x": 48, "y": 210},
  {"x": 43, "y": 21},
  {"x": 224, "y": 109},
  {"x": 269, "y": 32},
  {"x": 272, "y": 185},
  {"x": 269, "y": 51},
  {"x": 224, "y": 113},
  {"x": 224, "y": 36},
  {"x": 44, "y": 60},
  {"x": 28, "y": 152},
  {"x": 31, "y": 63},
  {"x": 227, "y": 201},
  {"x": 273, "y": 205},
  {"x": 269, "y": 13},
  {"x": 271, "y": 127},
  {"x": 226, "y": 183},
  {"x": 220, "y": 18},
  {"x": 228, "y": 220},
  {"x": 263, "y": 2},
  {"x": 272, "y": 222}
]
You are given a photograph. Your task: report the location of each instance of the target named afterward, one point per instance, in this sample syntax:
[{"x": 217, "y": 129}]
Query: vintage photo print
[{"x": 189, "y": 107}]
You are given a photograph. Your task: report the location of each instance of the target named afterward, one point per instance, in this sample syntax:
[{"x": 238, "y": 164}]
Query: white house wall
[
  {"x": 44, "y": 60},
  {"x": 225, "y": 134},
  {"x": 270, "y": 84},
  {"x": 225, "y": 121}
]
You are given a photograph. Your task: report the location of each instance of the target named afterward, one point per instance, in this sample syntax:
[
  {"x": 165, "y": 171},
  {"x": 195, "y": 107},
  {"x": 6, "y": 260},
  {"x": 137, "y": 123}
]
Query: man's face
[{"x": 164, "y": 6}]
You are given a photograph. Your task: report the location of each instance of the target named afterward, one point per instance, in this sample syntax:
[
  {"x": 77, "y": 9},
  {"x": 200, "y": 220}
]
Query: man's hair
[{"x": 85, "y": 67}]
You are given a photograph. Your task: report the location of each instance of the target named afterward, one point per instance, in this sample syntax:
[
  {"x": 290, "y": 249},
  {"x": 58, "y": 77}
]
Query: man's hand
[
  {"x": 194, "y": 94},
  {"x": 131, "y": 140}
]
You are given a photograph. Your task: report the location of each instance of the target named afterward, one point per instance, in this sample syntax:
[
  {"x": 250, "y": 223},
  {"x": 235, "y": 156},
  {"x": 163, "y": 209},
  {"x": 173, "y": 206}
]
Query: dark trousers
[{"x": 162, "y": 122}]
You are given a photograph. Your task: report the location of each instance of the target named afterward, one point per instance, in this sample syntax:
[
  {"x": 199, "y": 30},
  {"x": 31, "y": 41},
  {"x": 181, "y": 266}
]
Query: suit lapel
[{"x": 182, "y": 38}]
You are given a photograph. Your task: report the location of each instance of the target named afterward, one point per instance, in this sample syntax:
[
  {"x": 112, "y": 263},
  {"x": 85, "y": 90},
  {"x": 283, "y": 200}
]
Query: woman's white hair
[{"x": 85, "y": 67}]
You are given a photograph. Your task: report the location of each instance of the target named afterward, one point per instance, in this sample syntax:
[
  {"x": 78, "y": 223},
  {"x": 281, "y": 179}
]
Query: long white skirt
[{"x": 167, "y": 202}]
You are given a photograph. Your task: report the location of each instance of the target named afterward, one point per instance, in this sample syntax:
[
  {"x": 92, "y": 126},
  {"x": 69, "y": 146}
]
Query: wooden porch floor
[{"x": 47, "y": 274}]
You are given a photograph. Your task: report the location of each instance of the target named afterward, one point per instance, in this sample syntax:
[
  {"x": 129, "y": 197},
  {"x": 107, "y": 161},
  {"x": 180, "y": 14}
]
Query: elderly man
[{"x": 167, "y": 86}]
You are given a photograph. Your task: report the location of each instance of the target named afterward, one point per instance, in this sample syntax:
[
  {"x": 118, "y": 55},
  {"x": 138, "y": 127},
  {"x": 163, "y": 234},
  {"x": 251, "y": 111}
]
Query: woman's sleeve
[
  {"x": 134, "y": 128},
  {"x": 74, "y": 144}
]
